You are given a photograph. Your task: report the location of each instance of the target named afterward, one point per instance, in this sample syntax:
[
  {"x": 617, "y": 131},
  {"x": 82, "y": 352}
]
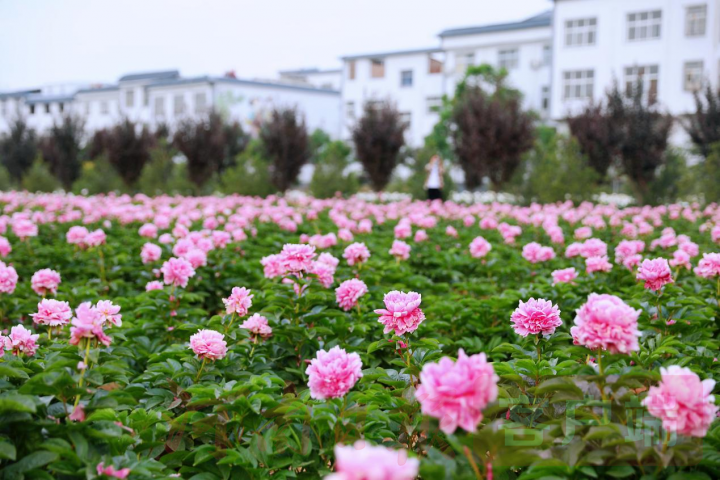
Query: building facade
[{"x": 166, "y": 98}]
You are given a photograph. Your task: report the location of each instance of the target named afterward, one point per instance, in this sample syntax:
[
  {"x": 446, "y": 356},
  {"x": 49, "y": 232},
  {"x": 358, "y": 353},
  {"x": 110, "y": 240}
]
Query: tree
[
  {"x": 236, "y": 141},
  {"x": 644, "y": 133},
  {"x": 286, "y": 144},
  {"x": 203, "y": 143},
  {"x": 378, "y": 136},
  {"x": 703, "y": 126},
  {"x": 128, "y": 149},
  {"x": 490, "y": 132},
  {"x": 61, "y": 149},
  {"x": 598, "y": 137},
  {"x": 18, "y": 149}
]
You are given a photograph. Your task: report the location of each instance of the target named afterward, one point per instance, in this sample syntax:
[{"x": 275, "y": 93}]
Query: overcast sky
[{"x": 54, "y": 42}]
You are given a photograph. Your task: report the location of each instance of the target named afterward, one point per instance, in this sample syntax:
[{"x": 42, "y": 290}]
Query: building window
[
  {"x": 545, "y": 98},
  {"x": 580, "y": 32},
  {"x": 693, "y": 76},
  {"x": 434, "y": 65},
  {"x": 61, "y": 106},
  {"x": 159, "y": 106},
  {"x": 351, "y": 69},
  {"x": 47, "y": 108},
  {"x": 350, "y": 111},
  {"x": 547, "y": 54},
  {"x": 406, "y": 118},
  {"x": 146, "y": 98},
  {"x": 377, "y": 68},
  {"x": 644, "y": 25},
  {"x": 3, "y": 107},
  {"x": 87, "y": 108},
  {"x": 129, "y": 98},
  {"x": 647, "y": 76},
  {"x": 406, "y": 78},
  {"x": 434, "y": 104},
  {"x": 463, "y": 61},
  {"x": 104, "y": 108},
  {"x": 578, "y": 84},
  {"x": 695, "y": 20},
  {"x": 179, "y": 104},
  {"x": 509, "y": 58},
  {"x": 32, "y": 109},
  {"x": 200, "y": 103}
]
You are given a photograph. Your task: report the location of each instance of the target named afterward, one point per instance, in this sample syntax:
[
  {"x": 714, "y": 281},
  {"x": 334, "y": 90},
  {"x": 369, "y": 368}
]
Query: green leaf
[
  {"x": 7, "y": 451},
  {"x": 17, "y": 403}
]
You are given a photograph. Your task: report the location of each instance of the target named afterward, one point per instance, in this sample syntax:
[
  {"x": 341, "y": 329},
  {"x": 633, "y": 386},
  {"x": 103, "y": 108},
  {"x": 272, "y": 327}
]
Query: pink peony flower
[
  {"x": 45, "y": 281},
  {"x": 333, "y": 373},
  {"x": 297, "y": 258},
  {"x": 400, "y": 250},
  {"x": 632, "y": 261},
  {"x": 536, "y": 317},
  {"x": 656, "y": 273},
  {"x": 329, "y": 260},
  {"x": 177, "y": 272},
  {"x": 593, "y": 247},
  {"x": 95, "y": 238},
  {"x": 681, "y": 259},
  {"x": 683, "y": 402},
  {"x": 150, "y": 253},
  {"x": 451, "y": 231},
  {"x": 457, "y": 392},
  {"x": 345, "y": 235},
  {"x": 420, "y": 236},
  {"x": 5, "y": 247},
  {"x": 708, "y": 267},
  {"x": 606, "y": 322},
  {"x": 76, "y": 235},
  {"x": 110, "y": 471},
  {"x": 349, "y": 292},
  {"x": 566, "y": 275},
  {"x": 272, "y": 266},
  {"x": 196, "y": 257},
  {"x": 239, "y": 301},
  {"x": 208, "y": 344},
  {"x": 366, "y": 462},
  {"x": 356, "y": 253},
  {"x": 8, "y": 278},
  {"x": 402, "y": 312},
  {"x": 24, "y": 228},
  {"x": 479, "y": 247},
  {"x": 154, "y": 285},
  {"x": 109, "y": 312},
  {"x": 88, "y": 323},
  {"x": 324, "y": 272},
  {"x": 148, "y": 230},
  {"x": 52, "y": 313},
  {"x": 533, "y": 252},
  {"x": 258, "y": 325},
  {"x": 597, "y": 264},
  {"x": 21, "y": 340},
  {"x": 403, "y": 230}
]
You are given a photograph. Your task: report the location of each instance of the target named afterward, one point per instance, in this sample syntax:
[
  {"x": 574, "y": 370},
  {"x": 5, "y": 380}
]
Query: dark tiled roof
[
  {"x": 542, "y": 20},
  {"x": 392, "y": 53},
  {"x": 162, "y": 75},
  {"x": 307, "y": 71},
  {"x": 20, "y": 93},
  {"x": 104, "y": 88},
  {"x": 40, "y": 98}
]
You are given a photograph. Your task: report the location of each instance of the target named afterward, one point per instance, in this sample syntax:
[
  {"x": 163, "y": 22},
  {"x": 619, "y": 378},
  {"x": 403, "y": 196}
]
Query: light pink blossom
[
  {"x": 258, "y": 325},
  {"x": 177, "y": 272},
  {"x": 402, "y": 312},
  {"x": 239, "y": 301},
  {"x": 356, "y": 253},
  {"x": 208, "y": 344},
  {"x": 349, "y": 292},
  {"x": 655, "y": 273},
  {"x": 333, "y": 373},
  {"x": 536, "y": 317},
  {"x": 45, "y": 281},
  {"x": 606, "y": 322},
  {"x": 52, "y": 313},
  {"x": 566, "y": 275},
  {"x": 366, "y": 462}
]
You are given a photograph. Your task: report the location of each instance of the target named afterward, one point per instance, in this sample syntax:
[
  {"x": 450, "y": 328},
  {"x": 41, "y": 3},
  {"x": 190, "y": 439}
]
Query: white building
[
  {"x": 330, "y": 79},
  {"x": 416, "y": 80},
  {"x": 166, "y": 98},
  {"x": 672, "y": 45}
]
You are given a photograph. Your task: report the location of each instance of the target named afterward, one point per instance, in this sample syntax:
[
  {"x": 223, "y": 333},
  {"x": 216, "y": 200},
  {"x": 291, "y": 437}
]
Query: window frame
[
  {"x": 405, "y": 75},
  {"x": 583, "y": 31},
  {"x": 509, "y": 58},
  {"x": 687, "y": 87},
  {"x": 645, "y": 73},
  {"x": 578, "y": 83},
  {"x": 691, "y": 23},
  {"x": 637, "y": 24}
]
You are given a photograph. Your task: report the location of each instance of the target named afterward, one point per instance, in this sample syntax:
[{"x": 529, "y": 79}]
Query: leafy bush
[
  {"x": 18, "y": 149},
  {"x": 250, "y": 175},
  {"x": 98, "y": 176},
  {"x": 286, "y": 145},
  {"x": 556, "y": 171},
  {"x": 39, "y": 178},
  {"x": 61, "y": 149},
  {"x": 329, "y": 177}
]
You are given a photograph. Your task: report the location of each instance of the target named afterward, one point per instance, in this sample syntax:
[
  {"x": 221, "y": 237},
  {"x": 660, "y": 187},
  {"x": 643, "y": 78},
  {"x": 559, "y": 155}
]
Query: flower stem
[
  {"x": 201, "y": 369},
  {"x": 82, "y": 374},
  {"x": 601, "y": 384}
]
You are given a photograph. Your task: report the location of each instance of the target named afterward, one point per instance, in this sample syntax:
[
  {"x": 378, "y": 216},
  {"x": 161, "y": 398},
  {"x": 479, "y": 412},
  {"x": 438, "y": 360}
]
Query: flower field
[{"x": 243, "y": 338}]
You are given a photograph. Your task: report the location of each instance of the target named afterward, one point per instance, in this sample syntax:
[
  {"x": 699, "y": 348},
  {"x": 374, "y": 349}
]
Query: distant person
[{"x": 434, "y": 179}]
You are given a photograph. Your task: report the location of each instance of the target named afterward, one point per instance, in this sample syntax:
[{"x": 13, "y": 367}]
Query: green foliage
[
  {"x": 702, "y": 181},
  {"x": 250, "y": 175},
  {"x": 39, "y": 178},
  {"x": 286, "y": 144},
  {"x": 329, "y": 177},
  {"x": 98, "y": 176},
  {"x": 667, "y": 186},
  {"x": 61, "y": 150},
  {"x": 555, "y": 170},
  {"x": 18, "y": 149},
  {"x": 157, "y": 171},
  {"x": 6, "y": 181}
]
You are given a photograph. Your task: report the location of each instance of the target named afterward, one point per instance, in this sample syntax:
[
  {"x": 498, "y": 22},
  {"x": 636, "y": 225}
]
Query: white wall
[
  {"x": 410, "y": 100},
  {"x": 613, "y": 51},
  {"x": 89, "y": 106}
]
